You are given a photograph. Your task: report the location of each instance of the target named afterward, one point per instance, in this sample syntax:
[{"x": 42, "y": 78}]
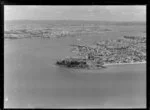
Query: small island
[{"x": 127, "y": 50}]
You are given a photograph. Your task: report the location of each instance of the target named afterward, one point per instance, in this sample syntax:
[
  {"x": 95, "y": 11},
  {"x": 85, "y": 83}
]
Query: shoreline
[
  {"x": 106, "y": 65},
  {"x": 124, "y": 63}
]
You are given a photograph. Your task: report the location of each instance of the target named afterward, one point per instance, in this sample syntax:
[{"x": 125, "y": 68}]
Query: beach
[{"x": 144, "y": 62}]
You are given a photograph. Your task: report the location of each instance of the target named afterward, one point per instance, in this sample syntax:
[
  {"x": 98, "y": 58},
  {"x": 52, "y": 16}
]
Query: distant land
[{"x": 80, "y": 22}]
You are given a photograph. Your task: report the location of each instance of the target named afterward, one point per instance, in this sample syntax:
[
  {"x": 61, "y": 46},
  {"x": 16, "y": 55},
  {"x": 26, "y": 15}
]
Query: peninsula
[{"x": 127, "y": 50}]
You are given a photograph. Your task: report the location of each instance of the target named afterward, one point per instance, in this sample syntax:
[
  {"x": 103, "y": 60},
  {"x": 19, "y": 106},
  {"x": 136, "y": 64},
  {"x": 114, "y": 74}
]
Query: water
[
  {"x": 116, "y": 30},
  {"x": 31, "y": 80}
]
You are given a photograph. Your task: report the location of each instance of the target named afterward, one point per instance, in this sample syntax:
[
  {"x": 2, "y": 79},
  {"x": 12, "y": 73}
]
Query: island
[{"x": 127, "y": 50}]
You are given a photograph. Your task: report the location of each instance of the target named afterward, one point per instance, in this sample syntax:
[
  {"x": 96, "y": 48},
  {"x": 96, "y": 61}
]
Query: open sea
[{"x": 32, "y": 80}]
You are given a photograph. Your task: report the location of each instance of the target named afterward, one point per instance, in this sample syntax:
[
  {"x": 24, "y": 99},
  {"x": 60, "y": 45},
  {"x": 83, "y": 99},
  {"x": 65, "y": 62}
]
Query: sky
[{"x": 72, "y": 12}]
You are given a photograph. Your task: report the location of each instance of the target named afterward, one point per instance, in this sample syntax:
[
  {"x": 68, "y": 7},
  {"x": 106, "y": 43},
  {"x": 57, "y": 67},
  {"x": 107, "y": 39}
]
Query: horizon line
[{"x": 67, "y": 20}]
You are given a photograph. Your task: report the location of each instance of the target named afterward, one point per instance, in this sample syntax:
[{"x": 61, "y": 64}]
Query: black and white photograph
[{"x": 75, "y": 56}]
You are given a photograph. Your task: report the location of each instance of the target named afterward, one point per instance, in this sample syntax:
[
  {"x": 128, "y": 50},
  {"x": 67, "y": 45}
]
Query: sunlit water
[{"x": 32, "y": 80}]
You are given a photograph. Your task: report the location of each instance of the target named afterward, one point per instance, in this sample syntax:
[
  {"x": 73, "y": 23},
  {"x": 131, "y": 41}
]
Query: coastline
[
  {"x": 106, "y": 65},
  {"x": 124, "y": 63}
]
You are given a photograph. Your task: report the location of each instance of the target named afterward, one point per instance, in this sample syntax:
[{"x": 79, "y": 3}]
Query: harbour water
[{"x": 31, "y": 80}]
